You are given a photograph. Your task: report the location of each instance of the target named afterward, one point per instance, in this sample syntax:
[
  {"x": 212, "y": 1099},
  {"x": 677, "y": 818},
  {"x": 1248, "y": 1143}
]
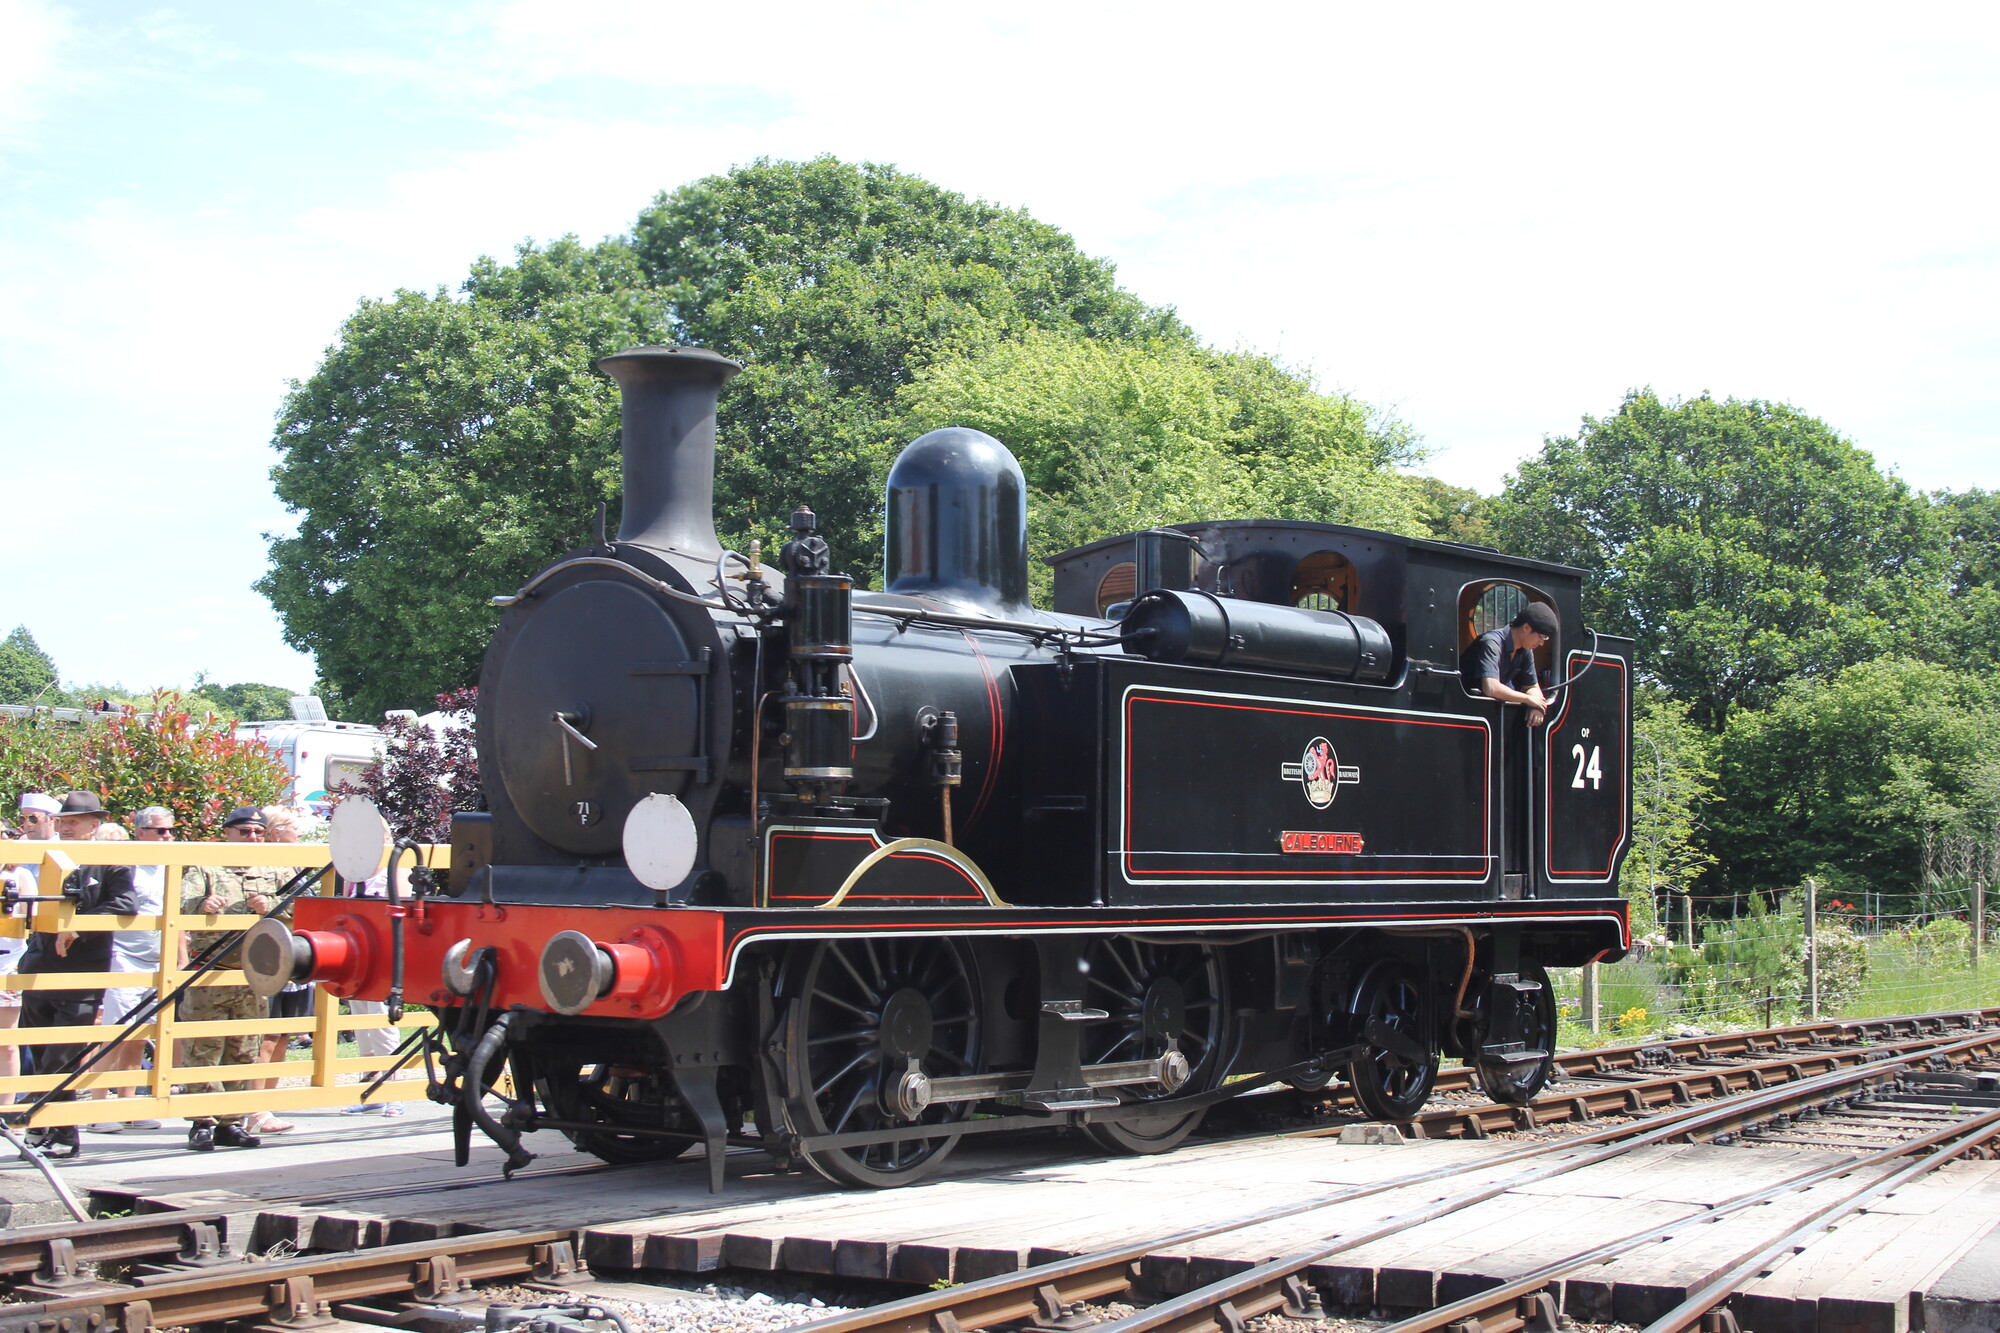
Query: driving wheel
[
  {"x": 868, "y": 1021},
  {"x": 1160, "y": 997}
]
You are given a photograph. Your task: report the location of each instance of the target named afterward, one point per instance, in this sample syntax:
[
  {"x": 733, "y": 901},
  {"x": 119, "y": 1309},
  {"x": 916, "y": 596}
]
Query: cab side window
[
  {"x": 1325, "y": 581},
  {"x": 1119, "y": 584},
  {"x": 1492, "y": 604}
]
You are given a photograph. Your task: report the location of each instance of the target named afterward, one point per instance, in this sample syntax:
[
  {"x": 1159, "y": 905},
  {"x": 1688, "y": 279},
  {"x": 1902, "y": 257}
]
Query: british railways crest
[{"x": 1320, "y": 772}]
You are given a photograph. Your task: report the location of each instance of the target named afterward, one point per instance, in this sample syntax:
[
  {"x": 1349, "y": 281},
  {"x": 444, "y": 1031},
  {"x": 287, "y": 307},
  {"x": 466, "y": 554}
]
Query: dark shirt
[
  {"x": 1493, "y": 656},
  {"x": 96, "y": 891}
]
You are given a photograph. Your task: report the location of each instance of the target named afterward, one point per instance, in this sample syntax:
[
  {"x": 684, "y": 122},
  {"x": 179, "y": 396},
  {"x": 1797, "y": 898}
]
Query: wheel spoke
[
  {"x": 855, "y": 1034},
  {"x": 847, "y": 964},
  {"x": 1135, "y": 977},
  {"x": 873, "y": 1020},
  {"x": 861, "y": 1059}
]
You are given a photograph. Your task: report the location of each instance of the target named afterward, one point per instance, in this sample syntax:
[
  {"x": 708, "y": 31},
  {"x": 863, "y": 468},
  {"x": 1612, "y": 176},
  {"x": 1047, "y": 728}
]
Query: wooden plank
[
  {"x": 1859, "y": 1277},
  {"x": 1577, "y": 1225},
  {"x": 1637, "y": 1288}
]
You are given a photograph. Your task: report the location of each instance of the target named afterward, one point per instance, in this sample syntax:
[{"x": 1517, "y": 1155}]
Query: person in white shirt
[{"x": 37, "y": 825}]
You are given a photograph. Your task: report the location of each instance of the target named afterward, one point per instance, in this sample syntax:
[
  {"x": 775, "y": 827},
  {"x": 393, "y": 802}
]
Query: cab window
[
  {"x": 1492, "y": 604},
  {"x": 1325, "y": 581},
  {"x": 1117, "y": 586}
]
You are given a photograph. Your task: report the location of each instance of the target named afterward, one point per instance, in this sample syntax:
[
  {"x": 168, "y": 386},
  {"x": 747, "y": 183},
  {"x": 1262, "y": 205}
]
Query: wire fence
[{"x": 1740, "y": 978}]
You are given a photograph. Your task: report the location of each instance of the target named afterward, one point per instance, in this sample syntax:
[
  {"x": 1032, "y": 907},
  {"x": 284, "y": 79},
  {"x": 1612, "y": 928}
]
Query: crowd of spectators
[{"x": 142, "y": 891}]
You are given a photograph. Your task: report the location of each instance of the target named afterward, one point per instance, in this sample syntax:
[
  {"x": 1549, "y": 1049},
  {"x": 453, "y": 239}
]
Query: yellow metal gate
[{"x": 322, "y": 1078}]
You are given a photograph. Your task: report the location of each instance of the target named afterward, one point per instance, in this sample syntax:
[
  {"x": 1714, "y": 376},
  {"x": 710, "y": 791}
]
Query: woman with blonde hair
[{"x": 135, "y": 951}]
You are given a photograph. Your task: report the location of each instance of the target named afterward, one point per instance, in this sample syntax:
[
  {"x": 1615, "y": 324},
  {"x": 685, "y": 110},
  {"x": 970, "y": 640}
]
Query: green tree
[
  {"x": 1839, "y": 778},
  {"x": 243, "y": 702},
  {"x": 27, "y": 674},
  {"x": 1456, "y": 513},
  {"x": 451, "y": 442},
  {"x": 447, "y": 446},
  {"x": 1742, "y": 543},
  {"x": 1973, "y": 622},
  {"x": 1118, "y": 435},
  {"x": 1673, "y": 782}
]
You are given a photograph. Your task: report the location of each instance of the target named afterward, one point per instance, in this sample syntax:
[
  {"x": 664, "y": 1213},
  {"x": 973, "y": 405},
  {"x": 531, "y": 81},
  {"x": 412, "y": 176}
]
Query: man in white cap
[
  {"x": 93, "y": 891},
  {"x": 38, "y": 812},
  {"x": 35, "y": 826}
]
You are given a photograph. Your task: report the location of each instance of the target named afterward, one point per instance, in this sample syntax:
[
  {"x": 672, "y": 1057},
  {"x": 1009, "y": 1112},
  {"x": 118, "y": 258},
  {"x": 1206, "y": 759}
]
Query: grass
[{"x": 1903, "y": 977}]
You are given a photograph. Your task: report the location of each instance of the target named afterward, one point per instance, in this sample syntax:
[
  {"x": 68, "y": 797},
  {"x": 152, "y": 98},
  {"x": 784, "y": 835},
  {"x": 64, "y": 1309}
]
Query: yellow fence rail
[{"x": 106, "y": 1094}]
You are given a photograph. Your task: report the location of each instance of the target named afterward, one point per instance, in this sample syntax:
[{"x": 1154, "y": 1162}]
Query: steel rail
[
  {"x": 1044, "y": 1290},
  {"x": 53, "y": 1252},
  {"x": 1631, "y": 1096},
  {"x": 1227, "y": 1303},
  {"x": 1493, "y": 1300},
  {"x": 1729, "y": 1045},
  {"x": 299, "y": 1289}
]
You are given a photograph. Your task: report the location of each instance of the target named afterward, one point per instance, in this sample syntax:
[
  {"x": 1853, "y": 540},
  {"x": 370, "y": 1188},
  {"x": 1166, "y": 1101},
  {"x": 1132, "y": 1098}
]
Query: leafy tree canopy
[
  {"x": 1117, "y": 435},
  {"x": 1742, "y": 543},
  {"x": 1673, "y": 784},
  {"x": 244, "y": 702},
  {"x": 27, "y": 674},
  {"x": 1456, "y": 513},
  {"x": 1841, "y": 777},
  {"x": 451, "y": 442}
]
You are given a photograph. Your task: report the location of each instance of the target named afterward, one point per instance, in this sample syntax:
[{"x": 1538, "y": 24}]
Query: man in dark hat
[
  {"x": 92, "y": 891},
  {"x": 224, "y": 890},
  {"x": 1500, "y": 663}
]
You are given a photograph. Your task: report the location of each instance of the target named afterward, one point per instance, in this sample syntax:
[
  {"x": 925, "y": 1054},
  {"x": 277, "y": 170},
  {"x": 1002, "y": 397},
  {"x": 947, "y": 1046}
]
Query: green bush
[{"x": 194, "y": 766}]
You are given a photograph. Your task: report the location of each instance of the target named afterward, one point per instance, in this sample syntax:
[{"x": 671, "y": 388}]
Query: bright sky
[{"x": 1491, "y": 219}]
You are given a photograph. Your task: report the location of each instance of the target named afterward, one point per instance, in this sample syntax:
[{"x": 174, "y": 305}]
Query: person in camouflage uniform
[{"x": 227, "y": 890}]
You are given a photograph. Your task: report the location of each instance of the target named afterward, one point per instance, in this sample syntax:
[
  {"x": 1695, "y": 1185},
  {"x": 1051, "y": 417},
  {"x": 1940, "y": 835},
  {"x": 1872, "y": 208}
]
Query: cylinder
[
  {"x": 821, "y": 747},
  {"x": 821, "y": 626},
  {"x": 667, "y": 416},
  {"x": 1201, "y": 629}
]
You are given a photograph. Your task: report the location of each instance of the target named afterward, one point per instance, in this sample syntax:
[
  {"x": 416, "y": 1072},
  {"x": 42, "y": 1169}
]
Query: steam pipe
[{"x": 667, "y": 416}]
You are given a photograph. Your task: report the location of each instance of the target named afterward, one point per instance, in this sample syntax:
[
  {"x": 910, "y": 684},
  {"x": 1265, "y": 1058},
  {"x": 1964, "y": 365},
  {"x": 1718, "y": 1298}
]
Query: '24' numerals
[{"x": 1586, "y": 767}]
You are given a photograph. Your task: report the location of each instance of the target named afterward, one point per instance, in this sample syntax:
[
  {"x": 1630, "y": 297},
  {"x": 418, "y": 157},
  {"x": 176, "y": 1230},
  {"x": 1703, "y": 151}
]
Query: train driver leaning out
[{"x": 1500, "y": 663}]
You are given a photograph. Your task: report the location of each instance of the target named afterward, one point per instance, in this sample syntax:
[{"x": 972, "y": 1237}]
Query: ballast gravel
[{"x": 713, "y": 1308}]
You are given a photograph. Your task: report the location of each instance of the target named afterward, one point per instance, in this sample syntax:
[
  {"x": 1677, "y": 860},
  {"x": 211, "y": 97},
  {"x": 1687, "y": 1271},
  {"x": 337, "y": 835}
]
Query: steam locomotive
[{"x": 850, "y": 876}]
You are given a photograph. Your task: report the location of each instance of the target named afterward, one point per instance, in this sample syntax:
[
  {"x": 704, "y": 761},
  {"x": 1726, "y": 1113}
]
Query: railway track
[
  {"x": 1903, "y": 1091},
  {"x": 1626, "y": 1080},
  {"x": 1051, "y": 1293}
]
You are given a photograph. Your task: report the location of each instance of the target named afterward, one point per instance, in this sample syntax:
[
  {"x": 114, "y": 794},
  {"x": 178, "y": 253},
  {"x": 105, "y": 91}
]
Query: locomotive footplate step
[
  {"x": 1511, "y": 1053},
  {"x": 1073, "y": 1011},
  {"x": 1068, "y": 1099}
]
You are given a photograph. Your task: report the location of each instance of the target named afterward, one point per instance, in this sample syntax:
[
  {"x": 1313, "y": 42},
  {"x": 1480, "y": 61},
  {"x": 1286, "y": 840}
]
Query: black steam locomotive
[{"x": 768, "y": 860}]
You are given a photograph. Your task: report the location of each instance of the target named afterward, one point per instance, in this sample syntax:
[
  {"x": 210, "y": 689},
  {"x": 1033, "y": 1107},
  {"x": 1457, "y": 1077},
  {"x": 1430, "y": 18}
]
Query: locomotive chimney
[{"x": 667, "y": 412}]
